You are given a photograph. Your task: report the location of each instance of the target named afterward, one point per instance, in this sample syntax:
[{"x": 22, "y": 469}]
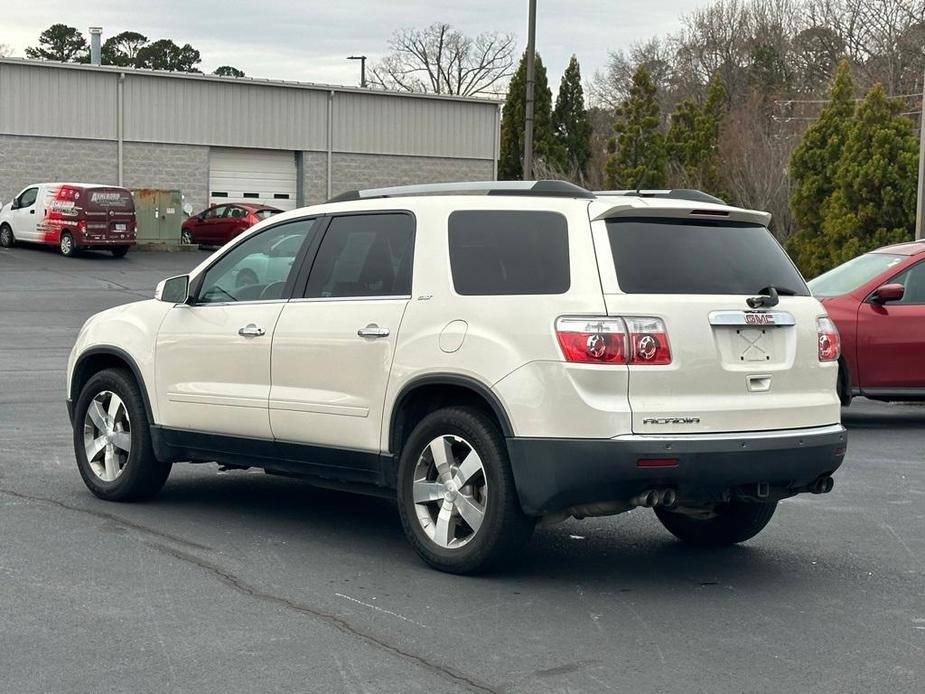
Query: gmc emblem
[{"x": 759, "y": 319}]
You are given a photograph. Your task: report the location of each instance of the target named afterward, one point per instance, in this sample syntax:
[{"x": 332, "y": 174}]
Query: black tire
[
  {"x": 844, "y": 384},
  {"x": 734, "y": 522},
  {"x": 7, "y": 240},
  {"x": 142, "y": 475},
  {"x": 119, "y": 251},
  {"x": 504, "y": 528},
  {"x": 66, "y": 245}
]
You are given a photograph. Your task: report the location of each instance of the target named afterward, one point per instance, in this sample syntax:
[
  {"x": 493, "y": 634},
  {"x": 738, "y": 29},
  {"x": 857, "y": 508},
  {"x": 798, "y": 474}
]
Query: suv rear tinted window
[
  {"x": 509, "y": 252},
  {"x": 699, "y": 257},
  {"x": 364, "y": 255}
]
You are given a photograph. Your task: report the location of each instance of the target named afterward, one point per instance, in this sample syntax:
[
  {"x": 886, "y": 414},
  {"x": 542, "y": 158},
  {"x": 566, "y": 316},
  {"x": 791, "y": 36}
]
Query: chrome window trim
[
  {"x": 236, "y": 303},
  {"x": 322, "y": 299}
]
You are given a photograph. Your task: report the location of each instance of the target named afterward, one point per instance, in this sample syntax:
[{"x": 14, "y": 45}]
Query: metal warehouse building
[{"x": 219, "y": 139}]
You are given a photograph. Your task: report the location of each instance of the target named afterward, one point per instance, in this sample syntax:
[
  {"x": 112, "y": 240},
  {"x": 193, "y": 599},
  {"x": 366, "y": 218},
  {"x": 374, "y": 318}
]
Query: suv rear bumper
[{"x": 556, "y": 474}]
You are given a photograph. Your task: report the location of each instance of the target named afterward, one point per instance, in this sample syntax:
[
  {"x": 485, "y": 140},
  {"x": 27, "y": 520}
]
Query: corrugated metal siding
[
  {"x": 381, "y": 124},
  {"x": 57, "y": 103},
  {"x": 161, "y": 109}
]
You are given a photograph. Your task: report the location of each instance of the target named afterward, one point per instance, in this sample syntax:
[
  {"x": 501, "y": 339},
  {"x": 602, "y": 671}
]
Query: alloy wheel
[
  {"x": 107, "y": 436},
  {"x": 450, "y": 491}
]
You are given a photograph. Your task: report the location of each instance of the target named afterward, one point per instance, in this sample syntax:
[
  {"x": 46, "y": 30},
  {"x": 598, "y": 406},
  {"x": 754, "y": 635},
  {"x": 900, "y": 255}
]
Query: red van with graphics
[{"x": 71, "y": 216}]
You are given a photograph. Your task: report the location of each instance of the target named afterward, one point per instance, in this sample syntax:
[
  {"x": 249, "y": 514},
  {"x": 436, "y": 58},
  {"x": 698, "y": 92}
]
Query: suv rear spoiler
[{"x": 692, "y": 211}]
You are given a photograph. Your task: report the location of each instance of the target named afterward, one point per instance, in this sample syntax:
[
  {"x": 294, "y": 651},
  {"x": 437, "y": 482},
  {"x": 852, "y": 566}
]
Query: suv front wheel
[
  {"x": 456, "y": 493},
  {"x": 112, "y": 440},
  {"x": 730, "y": 523}
]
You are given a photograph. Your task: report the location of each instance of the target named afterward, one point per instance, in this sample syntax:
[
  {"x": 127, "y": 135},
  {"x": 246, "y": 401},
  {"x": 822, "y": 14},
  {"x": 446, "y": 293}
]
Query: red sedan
[
  {"x": 877, "y": 300},
  {"x": 221, "y": 223}
]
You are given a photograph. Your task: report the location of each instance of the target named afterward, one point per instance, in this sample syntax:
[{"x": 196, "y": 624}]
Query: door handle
[
  {"x": 251, "y": 330},
  {"x": 373, "y": 330},
  {"x": 31, "y": 211}
]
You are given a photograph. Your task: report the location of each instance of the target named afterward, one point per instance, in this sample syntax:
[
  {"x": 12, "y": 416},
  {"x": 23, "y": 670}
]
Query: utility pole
[
  {"x": 920, "y": 205},
  {"x": 528, "y": 115},
  {"x": 362, "y": 59}
]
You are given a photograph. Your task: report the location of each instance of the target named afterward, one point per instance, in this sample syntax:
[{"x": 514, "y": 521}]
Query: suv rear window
[
  {"x": 667, "y": 256},
  {"x": 509, "y": 252}
]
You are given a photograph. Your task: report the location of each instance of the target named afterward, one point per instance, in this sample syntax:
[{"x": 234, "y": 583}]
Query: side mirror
[
  {"x": 14, "y": 205},
  {"x": 888, "y": 292},
  {"x": 174, "y": 290}
]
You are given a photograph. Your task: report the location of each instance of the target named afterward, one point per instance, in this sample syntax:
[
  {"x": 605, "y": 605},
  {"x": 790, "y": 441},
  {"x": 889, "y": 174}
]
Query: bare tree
[
  {"x": 442, "y": 60},
  {"x": 749, "y": 136},
  {"x": 5, "y": 50}
]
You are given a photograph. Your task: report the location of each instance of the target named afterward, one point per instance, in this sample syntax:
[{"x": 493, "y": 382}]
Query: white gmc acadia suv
[{"x": 490, "y": 354}]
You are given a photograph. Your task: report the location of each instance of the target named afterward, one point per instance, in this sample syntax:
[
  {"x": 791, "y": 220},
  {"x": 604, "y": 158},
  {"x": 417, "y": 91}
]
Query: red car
[
  {"x": 877, "y": 300},
  {"x": 221, "y": 223}
]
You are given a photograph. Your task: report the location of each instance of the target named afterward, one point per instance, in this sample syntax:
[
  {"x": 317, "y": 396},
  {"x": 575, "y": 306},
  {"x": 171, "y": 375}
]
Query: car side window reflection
[
  {"x": 28, "y": 197},
  {"x": 913, "y": 279},
  {"x": 258, "y": 268}
]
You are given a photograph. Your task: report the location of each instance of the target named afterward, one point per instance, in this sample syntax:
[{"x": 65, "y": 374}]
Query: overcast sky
[{"x": 309, "y": 40}]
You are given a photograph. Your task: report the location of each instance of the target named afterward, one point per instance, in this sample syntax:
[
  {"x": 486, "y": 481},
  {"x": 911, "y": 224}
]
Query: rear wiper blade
[{"x": 767, "y": 298}]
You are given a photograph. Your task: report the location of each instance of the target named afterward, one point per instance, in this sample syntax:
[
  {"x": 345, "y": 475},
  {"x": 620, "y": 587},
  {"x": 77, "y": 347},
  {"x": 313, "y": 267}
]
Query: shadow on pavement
[{"x": 627, "y": 553}]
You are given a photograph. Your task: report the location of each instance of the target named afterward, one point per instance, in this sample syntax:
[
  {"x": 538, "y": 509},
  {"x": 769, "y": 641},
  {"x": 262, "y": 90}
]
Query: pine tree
[
  {"x": 873, "y": 203},
  {"x": 510, "y": 164},
  {"x": 570, "y": 121},
  {"x": 60, "y": 42},
  {"x": 693, "y": 140},
  {"x": 637, "y": 151},
  {"x": 813, "y": 168}
]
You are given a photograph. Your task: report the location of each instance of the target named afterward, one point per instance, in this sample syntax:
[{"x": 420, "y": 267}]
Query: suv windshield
[
  {"x": 853, "y": 274},
  {"x": 667, "y": 256}
]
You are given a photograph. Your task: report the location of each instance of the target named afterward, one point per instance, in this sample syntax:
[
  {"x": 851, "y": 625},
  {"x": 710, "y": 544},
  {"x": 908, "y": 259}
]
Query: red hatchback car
[
  {"x": 221, "y": 223},
  {"x": 877, "y": 300}
]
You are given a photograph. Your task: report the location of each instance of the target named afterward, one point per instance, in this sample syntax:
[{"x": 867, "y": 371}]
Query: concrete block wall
[
  {"x": 358, "y": 171},
  {"x": 315, "y": 177},
  {"x": 25, "y": 160},
  {"x": 168, "y": 167}
]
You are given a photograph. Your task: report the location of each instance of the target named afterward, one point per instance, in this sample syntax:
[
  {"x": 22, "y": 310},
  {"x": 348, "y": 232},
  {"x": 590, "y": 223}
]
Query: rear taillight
[
  {"x": 649, "y": 341},
  {"x": 592, "y": 340},
  {"x": 611, "y": 340},
  {"x": 829, "y": 342}
]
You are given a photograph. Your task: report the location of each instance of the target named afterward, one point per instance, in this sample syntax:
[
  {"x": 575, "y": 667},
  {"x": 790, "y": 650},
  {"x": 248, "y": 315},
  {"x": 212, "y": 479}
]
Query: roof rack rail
[
  {"x": 675, "y": 194},
  {"x": 553, "y": 189}
]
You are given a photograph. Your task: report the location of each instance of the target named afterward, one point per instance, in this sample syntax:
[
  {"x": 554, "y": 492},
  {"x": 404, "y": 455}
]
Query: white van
[{"x": 71, "y": 216}]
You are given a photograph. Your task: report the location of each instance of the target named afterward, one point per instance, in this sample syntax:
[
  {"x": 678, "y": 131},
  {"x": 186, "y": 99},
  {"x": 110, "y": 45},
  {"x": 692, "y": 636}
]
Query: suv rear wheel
[
  {"x": 456, "y": 493},
  {"x": 119, "y": 251},
  {"x": 732, "y": 522},
  {"x": 112, "y": 440}
]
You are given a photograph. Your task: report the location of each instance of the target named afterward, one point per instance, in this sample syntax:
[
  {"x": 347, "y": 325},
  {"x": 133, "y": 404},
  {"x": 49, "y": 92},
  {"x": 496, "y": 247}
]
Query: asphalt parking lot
[{"x": 238, "y": 581}]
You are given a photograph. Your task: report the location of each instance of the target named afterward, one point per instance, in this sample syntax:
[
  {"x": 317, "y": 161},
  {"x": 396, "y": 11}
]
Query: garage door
[{"x": 260, "y": 176}]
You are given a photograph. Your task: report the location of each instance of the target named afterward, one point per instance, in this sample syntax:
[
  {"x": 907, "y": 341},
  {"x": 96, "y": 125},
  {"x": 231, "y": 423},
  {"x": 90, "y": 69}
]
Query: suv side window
[
  {"x": 27, "y": 198},
  {"x": 913, "y": 279},
  {"x": 509, "y": 252},
  {"x": 364, "y": 255},
  {"x": 258, "y": 268}
]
